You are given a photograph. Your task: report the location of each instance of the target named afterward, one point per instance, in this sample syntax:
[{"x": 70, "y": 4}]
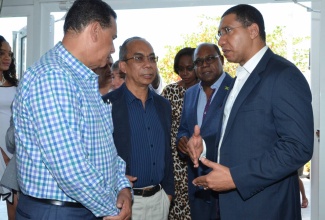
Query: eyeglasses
[
  {"x": 208, "y": 60},
  {"x": 225, "y": 31},
  {"x": 139, "y": 58},
  {"x": 183, "y": 69}
]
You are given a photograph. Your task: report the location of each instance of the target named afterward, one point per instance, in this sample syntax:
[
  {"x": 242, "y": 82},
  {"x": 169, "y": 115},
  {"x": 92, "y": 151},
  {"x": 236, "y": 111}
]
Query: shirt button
[{"x": 154, "y": 163}]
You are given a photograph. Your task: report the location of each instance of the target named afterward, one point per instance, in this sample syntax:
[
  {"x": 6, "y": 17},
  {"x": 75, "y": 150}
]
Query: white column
[{"x": 318, "y": 79}]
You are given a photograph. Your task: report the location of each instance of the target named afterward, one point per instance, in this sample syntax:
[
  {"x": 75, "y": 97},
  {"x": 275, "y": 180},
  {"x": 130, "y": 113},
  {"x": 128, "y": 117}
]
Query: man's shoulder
[
  {"x": 193, "y": 88},
  {"x": 192, "y": 92},
  {"x": 113, "y": 95}
]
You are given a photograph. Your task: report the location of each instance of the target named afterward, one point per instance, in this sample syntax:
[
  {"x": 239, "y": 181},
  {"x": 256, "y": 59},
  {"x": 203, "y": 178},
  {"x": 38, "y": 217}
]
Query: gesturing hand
[
  {"x": 195, "y": 146},
  {"x": 219, "y": 179}
]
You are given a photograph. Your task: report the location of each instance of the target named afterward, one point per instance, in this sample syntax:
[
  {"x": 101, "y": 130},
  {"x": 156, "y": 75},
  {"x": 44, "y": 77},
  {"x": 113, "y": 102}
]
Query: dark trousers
[
  {"x": 28, "y": 208},
  {"x": 205, "y": 206}
]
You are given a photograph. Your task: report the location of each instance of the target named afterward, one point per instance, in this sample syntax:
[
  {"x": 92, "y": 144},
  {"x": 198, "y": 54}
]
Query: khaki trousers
[{"x": 155, "y": 207}]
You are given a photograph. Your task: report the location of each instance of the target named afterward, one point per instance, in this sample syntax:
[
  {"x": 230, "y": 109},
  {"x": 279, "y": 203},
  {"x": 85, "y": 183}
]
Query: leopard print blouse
[{"x": 180, "y": 209}]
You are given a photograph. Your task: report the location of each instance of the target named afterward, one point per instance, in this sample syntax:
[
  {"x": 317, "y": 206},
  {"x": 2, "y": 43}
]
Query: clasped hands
[{"x": 219, "y": 179}]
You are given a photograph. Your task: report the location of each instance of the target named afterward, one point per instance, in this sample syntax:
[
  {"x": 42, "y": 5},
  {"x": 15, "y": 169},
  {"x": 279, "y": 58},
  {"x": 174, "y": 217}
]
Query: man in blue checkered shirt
[{"x": 68, "y": 167}]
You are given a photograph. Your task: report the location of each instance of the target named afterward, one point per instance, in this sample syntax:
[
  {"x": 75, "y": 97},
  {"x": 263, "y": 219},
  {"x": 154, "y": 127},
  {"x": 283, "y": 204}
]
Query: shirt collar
[
  {"x": 130, "y": 97},
  {"x": 217, "y": 83},
  {"x": 250, "y": 65},
  {"x": 82, "y": 71}
]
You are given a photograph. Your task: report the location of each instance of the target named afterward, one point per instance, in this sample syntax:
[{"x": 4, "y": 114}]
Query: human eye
[
  {"x": 209, "y": 59},
  {"x": 180, "y": 69},
  {"x": 152, "y": 59},
  {"x": 228, "y": 29},
  {"x": 190, "y": 68},
  {"x": 198, "y": 62},
  {"x": 138, "y": 58}
]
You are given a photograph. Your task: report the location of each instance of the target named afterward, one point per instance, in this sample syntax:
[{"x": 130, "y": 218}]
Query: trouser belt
[
  {"x": 57, "y": 202},
  {"x": 147, "y": 192}
]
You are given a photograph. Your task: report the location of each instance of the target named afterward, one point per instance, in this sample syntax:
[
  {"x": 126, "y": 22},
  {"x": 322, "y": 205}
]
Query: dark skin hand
[
  {"x": 219, "y": 179},
  {"x": 131, "y": 179},
  {"x": 182, "y": 145},
  {"x": 124, "y": 203},
  {"x": 195, "y": 146}
]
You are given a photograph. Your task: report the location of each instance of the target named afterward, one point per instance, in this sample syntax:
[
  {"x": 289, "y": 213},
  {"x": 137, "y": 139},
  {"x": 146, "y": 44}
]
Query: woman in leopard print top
[{"x": 183, "y": 66}]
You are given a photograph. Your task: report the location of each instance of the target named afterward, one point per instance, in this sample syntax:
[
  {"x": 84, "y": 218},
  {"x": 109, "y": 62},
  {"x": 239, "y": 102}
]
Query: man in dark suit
[
  {"x": 201, "y": 102},
  {"x": 142, "y": 123},
  {"x": 267, "y": 127}
]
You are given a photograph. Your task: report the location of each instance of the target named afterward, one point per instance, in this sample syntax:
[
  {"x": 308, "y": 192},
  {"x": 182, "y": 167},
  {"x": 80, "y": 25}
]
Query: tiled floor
[{"x": 304, "y": 212}]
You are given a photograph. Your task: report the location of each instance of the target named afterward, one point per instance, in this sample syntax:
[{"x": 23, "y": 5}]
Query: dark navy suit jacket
[
  {"x": 269, "y": 136},
  {"x": 122, "y": 132},
  {"x": 208, "y": 132}
]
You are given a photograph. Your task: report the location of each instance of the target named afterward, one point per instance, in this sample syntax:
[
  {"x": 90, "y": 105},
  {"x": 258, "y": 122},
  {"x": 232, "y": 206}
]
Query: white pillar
[{"x": 318, "y": 79}]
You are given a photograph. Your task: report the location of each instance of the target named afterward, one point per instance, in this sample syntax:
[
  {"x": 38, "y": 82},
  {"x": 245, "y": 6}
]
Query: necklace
[{"x": 3, "y": 80}]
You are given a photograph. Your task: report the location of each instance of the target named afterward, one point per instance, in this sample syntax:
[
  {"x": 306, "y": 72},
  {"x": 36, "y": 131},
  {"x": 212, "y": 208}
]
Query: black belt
[
  {"x": 147, "y": 192},
  {"x": 57, "y": 202}
]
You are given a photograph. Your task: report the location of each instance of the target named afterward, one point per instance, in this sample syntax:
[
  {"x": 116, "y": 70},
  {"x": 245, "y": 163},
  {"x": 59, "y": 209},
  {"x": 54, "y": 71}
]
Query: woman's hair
[
  {"x": 186, "y": 51},
  {"x": 10, "y": 74}
]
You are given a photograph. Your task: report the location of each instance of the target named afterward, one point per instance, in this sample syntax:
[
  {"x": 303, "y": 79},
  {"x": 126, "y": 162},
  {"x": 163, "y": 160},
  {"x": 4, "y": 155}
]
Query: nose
[
  {"x": 184, "y": 72},
  {"x": 113, "y": 49},
  {"x": 221, "y": 40}
]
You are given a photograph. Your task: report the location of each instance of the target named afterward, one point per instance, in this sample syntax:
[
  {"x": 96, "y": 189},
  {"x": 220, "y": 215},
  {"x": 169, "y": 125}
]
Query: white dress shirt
[{"x": 242, "y": 74}]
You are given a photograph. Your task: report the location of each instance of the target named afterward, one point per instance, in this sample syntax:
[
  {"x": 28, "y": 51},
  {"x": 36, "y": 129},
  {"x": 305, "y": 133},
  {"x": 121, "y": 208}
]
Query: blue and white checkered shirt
[{"x": 65, "y": 147}]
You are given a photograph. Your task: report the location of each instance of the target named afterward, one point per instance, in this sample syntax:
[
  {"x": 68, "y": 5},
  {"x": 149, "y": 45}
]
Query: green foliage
[{"x": 207, "y": 28}]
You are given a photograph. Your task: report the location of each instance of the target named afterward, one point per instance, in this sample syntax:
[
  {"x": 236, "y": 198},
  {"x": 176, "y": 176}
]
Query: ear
[
  {"x": 254, "y": 30},
  {"x": 122, "y": 66},
  {"x": 222, "y": 59},
  {"x": 94, "y": 28}
]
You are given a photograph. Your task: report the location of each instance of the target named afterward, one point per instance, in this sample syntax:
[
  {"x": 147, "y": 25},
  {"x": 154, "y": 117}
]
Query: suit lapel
[
  {"x": 247, "y": 88},
  {"x": 217, "y": 102},
  {"x": 195, "y": 97}
]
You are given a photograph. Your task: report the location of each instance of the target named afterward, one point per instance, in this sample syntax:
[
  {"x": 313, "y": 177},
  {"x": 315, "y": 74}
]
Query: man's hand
[
  {"x": 219, "y": 179},
  {"x": 124, "y": 203},
  {"x": 131, "y": 179},
  {"x": 195, "y": 146},
  {"x": 182, "y": 145}
]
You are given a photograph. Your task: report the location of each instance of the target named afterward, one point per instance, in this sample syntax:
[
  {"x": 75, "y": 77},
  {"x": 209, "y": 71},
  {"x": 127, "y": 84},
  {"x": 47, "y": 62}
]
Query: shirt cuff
[{"x": 204, "y": 152}]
